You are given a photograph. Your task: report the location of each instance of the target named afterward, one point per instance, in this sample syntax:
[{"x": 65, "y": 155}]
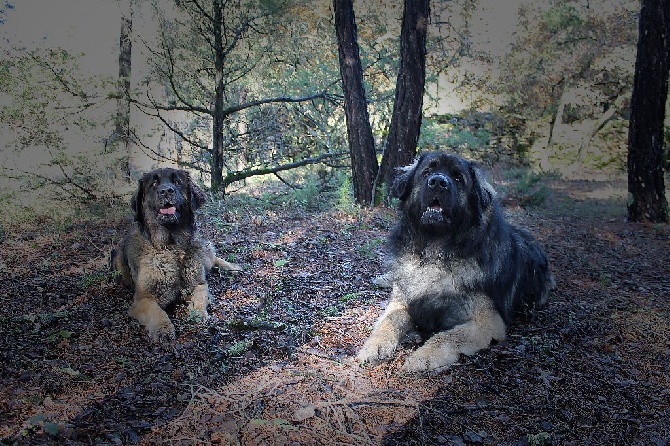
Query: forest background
[
  {"x": 542, "y": 86},
  {"x": 539, "y": 93}
]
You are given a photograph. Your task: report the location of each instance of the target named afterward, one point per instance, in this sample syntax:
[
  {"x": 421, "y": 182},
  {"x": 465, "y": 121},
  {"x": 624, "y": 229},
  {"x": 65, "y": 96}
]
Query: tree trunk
[
  {"x": 556, "y": 118},
  {"x": 122, "y": 130},
  {"x": 406, "y": 119},
  {"x": 646, "y": 186},
  {"x": 597, "y": 126},
  {"x": 218, "y": 117},
  {"x": 364, "y": 165}
]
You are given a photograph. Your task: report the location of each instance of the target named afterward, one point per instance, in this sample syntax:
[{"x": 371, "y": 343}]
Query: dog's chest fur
[
  {"x": 455, "y": 276},
  {"x": 169, "y": 272},
  {"x": 176, "y": 272},
  {"x": 438, "y": 293}
]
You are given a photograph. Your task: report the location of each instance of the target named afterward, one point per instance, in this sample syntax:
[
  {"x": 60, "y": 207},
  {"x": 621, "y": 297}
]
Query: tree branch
[
  {"x": 241, "y": 175},
  {"x": 285, "y": 99},
  {"x": 232, "y": 109}
]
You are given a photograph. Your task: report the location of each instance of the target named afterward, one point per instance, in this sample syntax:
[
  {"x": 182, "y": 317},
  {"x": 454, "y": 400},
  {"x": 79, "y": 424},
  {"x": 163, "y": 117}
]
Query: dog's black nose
[
  {"x": 438, "y": 181},
  {"x": 166, "y": 190}
]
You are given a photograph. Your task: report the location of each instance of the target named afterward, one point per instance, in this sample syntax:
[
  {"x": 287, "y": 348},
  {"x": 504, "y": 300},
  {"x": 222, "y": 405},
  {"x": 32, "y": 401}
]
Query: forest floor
[{"x": 274, "y": 364}]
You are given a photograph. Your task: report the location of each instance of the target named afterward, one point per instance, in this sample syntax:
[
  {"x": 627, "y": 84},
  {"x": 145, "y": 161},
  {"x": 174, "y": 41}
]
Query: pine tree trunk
[
  {"x": 216, "y": 167},
  {"x": 645, "y": 135},
  {"x": 122, "y": 130},
  {"x": 364, "y": 165},
  {"x": 406, "y": 119}
]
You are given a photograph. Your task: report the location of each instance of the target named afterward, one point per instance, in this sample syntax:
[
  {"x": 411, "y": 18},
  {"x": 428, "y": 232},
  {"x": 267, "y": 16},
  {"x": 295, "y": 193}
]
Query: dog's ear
[
  {"x": 136, "y": 202},
  {"x": 198, "y": 196},
  {"x": 485, "y": 192},
  {"x": 404, "y": 181}
]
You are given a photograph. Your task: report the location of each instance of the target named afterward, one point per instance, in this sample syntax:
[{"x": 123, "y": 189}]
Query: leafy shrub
[
  {"x": 525, "y": 187},
  {"x": 454, "y": 135}
]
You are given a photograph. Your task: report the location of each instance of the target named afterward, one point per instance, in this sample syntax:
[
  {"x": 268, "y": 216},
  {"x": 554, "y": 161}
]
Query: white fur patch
[
  {"x": 410, "y": 273},
  {"x": 409, "y": 167}
]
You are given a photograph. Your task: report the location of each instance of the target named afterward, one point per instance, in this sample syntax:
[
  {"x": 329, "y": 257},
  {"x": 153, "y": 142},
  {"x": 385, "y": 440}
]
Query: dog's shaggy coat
[
  {"x": 163, "y": 257},
  {"x": 459, "y": 271}
]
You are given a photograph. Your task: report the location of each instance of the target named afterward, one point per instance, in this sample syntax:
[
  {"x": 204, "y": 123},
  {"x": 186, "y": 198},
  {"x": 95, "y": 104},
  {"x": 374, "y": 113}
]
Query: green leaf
[
  {"x": 69, "y": 371},
  {"x": 36, "y": 419},
  {"x": 281, "y": 262},
  {"x": 65, "y": 334},
  {"x": 51, "y": 428}
]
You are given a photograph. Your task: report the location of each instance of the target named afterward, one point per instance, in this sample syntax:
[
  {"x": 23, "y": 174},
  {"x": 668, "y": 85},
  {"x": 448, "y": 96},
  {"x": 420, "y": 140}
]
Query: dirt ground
[{"x": 274, "y": 364}]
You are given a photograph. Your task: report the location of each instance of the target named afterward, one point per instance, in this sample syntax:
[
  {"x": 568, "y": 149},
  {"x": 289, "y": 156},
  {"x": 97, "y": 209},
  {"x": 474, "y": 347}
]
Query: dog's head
[
  {"x": 442, "y": 191},
  {"x": 167, "y": 197}
]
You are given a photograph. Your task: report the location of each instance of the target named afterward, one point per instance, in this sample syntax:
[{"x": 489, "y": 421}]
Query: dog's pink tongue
[{"x": 168, "y": 211}]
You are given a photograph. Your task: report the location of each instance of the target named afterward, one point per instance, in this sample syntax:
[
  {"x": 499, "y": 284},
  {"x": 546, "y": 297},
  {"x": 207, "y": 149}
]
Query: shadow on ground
[{"x": 274, "y": 364}]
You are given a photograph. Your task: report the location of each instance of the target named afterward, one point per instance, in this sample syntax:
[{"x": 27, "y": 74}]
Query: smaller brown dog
[{"x": 163, "y": 256}]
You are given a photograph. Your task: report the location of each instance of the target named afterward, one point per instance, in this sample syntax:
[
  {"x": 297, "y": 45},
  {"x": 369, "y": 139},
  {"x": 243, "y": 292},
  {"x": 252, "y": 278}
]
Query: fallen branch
[{"x": 310, "y": 411}]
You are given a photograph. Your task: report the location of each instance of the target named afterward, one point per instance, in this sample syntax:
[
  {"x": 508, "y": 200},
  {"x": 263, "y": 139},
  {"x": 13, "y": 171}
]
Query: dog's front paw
[
  {"x": 430, "y": 360},
  {"x": 376, "y": 350},
  {"x": 197, "y": 303},
  {"x": 163, "y": 333}
]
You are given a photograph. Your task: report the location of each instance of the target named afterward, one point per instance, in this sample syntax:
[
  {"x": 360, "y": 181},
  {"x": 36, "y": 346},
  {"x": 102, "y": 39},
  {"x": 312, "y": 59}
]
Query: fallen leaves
[{"x": 274, "y": 363}]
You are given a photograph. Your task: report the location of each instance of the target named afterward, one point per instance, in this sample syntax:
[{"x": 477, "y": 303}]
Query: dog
[
  {"x": 459, "y": 272},
  {"x": 163, "y": 257}
]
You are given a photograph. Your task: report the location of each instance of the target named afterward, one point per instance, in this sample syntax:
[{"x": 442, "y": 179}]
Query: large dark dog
[
  {"x": 163, "y": 256},
  {"x": 459, "y": 271}
]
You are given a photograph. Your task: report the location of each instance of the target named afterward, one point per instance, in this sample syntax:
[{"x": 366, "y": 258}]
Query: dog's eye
[
  {"x": 177, "y": 181},
  {"x": 154, "y": 183},
  {"x": 425, "y": 172}
]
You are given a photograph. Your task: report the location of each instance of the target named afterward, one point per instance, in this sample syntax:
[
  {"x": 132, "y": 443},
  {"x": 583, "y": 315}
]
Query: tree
[
  {"x": 212, "y": 64},
  {"x": 572, "y": 69},
  {"x": 364, "y": 165},
  {"x": 50, "y": 117},
  {"x": 407, "y": 107},
  {"x": 122, "y": 120},
  {"x": 645, "y": 137}
]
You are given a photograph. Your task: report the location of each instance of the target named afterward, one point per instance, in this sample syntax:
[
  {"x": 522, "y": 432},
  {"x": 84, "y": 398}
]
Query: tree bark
[
  {"x": 406, "y": 119},
  {"x": 646, "y": 171},
  {"x": 122, "y": 127},
  {"x": 364, "y": 165},
  {"x": 218, "y": 117}
]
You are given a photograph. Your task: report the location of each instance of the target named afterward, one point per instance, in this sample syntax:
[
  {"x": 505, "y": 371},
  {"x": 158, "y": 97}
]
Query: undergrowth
[{"x": 526, "y": 187}]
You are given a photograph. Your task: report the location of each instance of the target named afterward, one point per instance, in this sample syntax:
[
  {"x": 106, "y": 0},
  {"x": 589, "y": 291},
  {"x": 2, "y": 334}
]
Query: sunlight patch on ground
[
  {"x": 603, "y": 193},
  {"x": 312, "y": 400}
]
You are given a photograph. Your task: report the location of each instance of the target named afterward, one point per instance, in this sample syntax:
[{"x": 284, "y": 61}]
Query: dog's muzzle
[
  {"x": 437, "y": 192},
  {"x": 167, "y": 197}
]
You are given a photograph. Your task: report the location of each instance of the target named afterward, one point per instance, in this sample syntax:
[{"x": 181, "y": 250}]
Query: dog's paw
[
  {"x": 375, "y": 351},
  {"x": 163, "y": 333},
  {"x": 428, "y": 360},
  {"x": 198, "y": 314},
  {"x": 383, "y": 281}
]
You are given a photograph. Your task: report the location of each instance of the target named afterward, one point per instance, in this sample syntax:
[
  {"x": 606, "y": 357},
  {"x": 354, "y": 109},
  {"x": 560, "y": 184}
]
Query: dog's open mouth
[
  {"x": 168, "y": 210},
  {"x": 435, "y": 214},
  {"x": 434, "y": 206}
]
